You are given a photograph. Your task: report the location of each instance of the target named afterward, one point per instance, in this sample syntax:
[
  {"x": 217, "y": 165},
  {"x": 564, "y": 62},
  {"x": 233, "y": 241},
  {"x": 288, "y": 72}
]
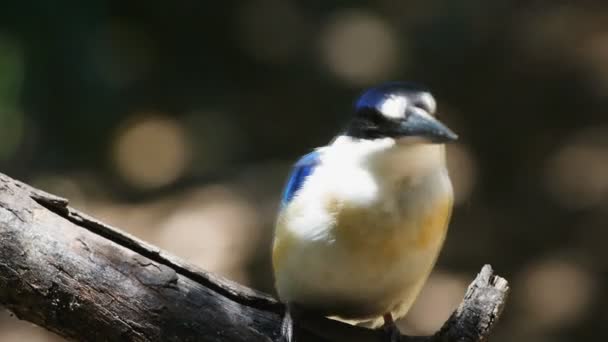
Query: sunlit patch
[
  {"x": 150, "y": 151},
  {"x": 359, "y": 47}
]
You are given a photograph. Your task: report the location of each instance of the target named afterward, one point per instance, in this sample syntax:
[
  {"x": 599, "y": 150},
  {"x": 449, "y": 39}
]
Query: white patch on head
[{"x": 394, "y": 107}]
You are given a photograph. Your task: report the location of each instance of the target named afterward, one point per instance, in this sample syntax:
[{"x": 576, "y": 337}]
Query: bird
[{"x": 362, "y": 220}]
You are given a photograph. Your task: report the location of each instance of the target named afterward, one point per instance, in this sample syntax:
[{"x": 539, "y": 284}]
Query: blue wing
[{"x": 303, "y": 168}]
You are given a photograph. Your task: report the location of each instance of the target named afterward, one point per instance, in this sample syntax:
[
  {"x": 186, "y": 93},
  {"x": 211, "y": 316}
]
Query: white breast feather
[{"x": 316, "y": 266}]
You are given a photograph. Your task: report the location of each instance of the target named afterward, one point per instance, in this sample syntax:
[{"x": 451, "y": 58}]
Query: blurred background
[{"x": 178, "y": 122}]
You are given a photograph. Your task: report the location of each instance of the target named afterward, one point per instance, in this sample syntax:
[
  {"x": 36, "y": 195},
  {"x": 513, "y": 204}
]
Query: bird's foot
[
  {"x": 390, "y": 329},
  {"x": 287, "y": 328}
]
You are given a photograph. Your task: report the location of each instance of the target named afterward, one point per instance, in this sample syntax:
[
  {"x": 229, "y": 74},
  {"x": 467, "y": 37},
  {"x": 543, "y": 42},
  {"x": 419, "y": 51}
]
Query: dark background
[{"x": 178, "y": 121}]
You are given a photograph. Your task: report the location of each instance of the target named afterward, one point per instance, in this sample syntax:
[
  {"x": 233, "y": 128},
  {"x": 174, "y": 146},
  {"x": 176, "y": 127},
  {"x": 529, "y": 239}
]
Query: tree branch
[{"x": 87, "y": 281}]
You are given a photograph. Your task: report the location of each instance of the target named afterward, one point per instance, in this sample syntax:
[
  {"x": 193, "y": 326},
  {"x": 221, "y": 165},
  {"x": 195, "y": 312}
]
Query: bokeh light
[
  {"x": 554, "y": 293},
  {"x": 577, "y": 174},
  {"x": 150, "y": 151},
  {"x": 360, "y": 47}
]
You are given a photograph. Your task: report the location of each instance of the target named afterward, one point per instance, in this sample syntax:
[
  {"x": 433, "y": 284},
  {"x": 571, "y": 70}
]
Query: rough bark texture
[{"x": 87, "y": 281}]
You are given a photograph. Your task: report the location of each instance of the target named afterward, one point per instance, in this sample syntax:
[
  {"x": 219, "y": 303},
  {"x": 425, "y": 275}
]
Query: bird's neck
[{"x": 391, "y": 160}]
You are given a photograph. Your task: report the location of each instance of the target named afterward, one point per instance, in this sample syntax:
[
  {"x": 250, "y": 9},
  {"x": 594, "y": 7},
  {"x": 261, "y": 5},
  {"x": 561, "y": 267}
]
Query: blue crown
[{"x": 375, "y": 97}]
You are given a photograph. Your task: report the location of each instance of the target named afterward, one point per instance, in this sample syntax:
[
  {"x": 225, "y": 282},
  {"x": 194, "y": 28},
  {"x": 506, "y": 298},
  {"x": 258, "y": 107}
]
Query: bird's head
[{"x": 401, "y": 111}]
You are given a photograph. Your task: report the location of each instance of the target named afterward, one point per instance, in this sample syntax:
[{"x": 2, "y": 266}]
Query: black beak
[{"x": 420, "y": 124}]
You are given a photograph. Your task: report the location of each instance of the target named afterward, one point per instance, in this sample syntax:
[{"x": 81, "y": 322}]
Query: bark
[{"x": 87, "y": 281}]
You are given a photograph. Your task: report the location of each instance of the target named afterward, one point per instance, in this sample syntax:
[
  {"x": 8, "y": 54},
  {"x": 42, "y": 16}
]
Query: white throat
[{"x": 387, "y": 157}]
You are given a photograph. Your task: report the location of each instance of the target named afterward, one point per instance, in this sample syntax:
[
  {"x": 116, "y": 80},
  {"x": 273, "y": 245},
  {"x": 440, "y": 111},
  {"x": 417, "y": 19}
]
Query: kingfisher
[{"x": 362, "y": 220}]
